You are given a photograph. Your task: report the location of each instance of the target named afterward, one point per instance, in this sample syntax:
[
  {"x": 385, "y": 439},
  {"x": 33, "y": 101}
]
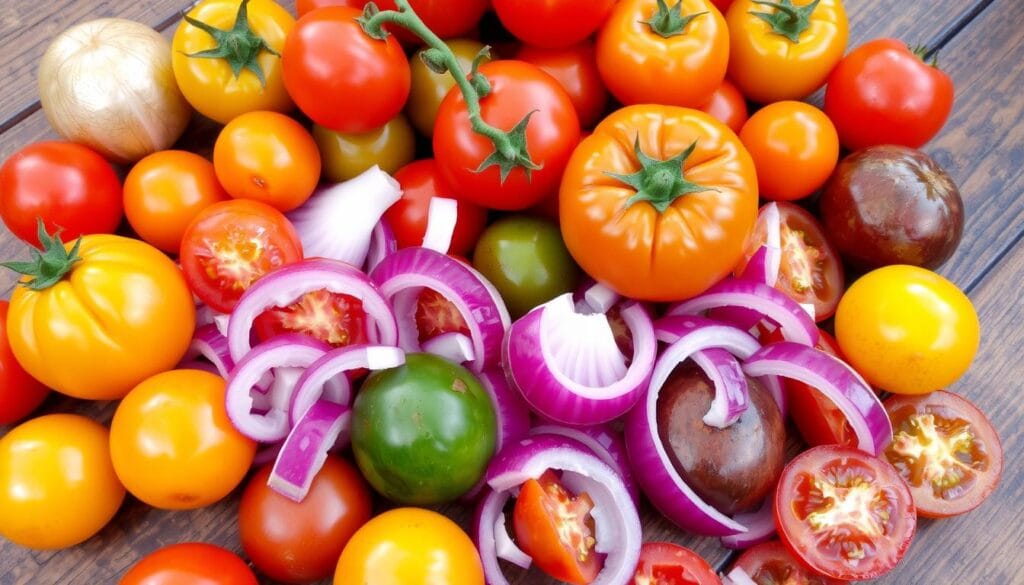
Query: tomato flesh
[
  {"x": 436, "y": 315},
  {"x": 664, "y": 563},
  {"x": 333, "y": 318},
  {"x": 770, "y": 563}
]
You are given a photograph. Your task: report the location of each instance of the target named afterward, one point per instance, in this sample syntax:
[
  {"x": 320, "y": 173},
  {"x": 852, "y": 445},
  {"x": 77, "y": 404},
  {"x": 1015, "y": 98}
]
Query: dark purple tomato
[
  {"x": 733, "y": 469},
  {"x": 892, "y": 205}
]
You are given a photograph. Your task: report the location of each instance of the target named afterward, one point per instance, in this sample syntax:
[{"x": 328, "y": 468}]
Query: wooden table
[{"x": 981, "y": 46}]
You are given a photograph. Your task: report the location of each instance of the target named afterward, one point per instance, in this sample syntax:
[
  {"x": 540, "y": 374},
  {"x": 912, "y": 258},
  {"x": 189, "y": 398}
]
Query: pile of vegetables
[{"x": 603, "y": 279}]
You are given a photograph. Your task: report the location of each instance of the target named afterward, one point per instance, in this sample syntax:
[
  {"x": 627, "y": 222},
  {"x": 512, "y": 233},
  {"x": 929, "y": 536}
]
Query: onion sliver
[
  {"x": 492, "y": 538},
  {"x": 208, "y": 343},
  {"x": 442, "y": 215},
  {"x": 731, "y": 393},
  {"x": 512, "y": 413},
  {"x": 605, "y": 443},
  {"x": 316, "y": 382},
  {"x": 737, "y": 576},
  {"x": 382, "y": 244},
  {"x": 305, "y": 450},
  {"x": 452, "y": 346},
  {"x": 760, "y": 526}
]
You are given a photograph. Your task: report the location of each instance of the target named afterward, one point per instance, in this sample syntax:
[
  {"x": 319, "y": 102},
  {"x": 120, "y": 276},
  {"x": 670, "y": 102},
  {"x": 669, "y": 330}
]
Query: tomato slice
[
  {"x": 664, "y": 563},
  {"x": 555, "y": 528},
  {"x": 769, "y": 563},
  {"x": 333, "y": 318},
  {"x": 436, "y": 315},
  {"x": 844, "y": 513},
  {"x": 946, "y": 450}
]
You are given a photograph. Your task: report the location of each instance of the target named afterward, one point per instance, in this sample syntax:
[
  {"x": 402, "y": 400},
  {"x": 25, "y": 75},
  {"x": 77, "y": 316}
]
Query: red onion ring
[
  {"x": 452, "y": 346},
  {"x": 324, "y": 379},
  {"x": 305, "y": 450},
  {"x": 605, "y": 443},
  {"x": 383, "y": 243},
  {"x": 442, "y": 215},
  {"x": 760, "y": 527},
  {"x": 491, "y": 535},
  {"x": 211, "y": 345}
]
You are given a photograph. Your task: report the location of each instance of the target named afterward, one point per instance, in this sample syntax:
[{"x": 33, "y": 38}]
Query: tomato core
[
  {"x": 939, "y": 451},
  {"x": 335, "y": 319},
  {"x": 436, "y": 315}
]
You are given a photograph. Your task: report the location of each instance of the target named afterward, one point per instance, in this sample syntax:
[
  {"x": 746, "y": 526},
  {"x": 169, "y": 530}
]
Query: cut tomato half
[
  {"x": 336, "y": 319},
  {"x": 436, "y": 315},
  {"x": 664, "y": 563},
  {"x": 769, "y": 563}
]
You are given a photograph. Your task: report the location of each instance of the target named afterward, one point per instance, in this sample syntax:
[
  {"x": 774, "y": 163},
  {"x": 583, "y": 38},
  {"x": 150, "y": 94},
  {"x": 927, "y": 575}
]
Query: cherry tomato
[
  {"x": 304, "y": 6},
  {"x": 172, "y": 444},
  {"x": 229, "y": 245},
  {"x": 267, "y": 157},
  {"x": 20, "y": 393},
  {"x": 436, "y": 315},
  {"x": 165, "y": 191},
  {"x": 882, "y": 93},
  {"x": 728, "y": 106},
  {"x": 946, "y": 450},
  {"x": 907, "y": 330},
  {"x": 770, "y": 563},
  {"x": 347, "y": 155},
  {"x": 844, "y": 513},
  {"x": 69, "y": 186},
  {"x": 552, "y": 23},
  {"x": 300, "y": 542},
  {"x": 57, "y": 485},
  {"x": 190, "y": 563},
  {"x": 333, "y": 318},
  {"x": 794, "y": 147},
  {"x": 664, "y": 563},
  {"x": 517, "y": 89},
  {"x": 428, "y": 88},
  {"x": 575, "y": 68},
  {"x": 446, "y": 18}
]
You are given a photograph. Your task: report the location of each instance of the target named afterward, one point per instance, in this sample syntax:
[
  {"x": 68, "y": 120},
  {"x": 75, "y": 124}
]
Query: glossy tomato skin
[
  {"x": 575, "y": 68},
  {"x": 172, "y": 444},
  {"x": 304, "y": 6},
  {"x": 57, "y": 485},
  {"x": 20, "y": 393},
  {"x": 165, "y": 191},
  {"x": 728, "y": 106},
  {"x": 664, "y": 562},
  {"x": 122, "y": 314},
  {"x": 69, "y": 186},
  {"x": 410, "y": 546},
  {"x": 340, "y": 77},
  {"x": 428, "y": 89},
  {"x": 446, "y": 18},
  {"x": 548, "y": 24},
  {"x": 770, "y": 562},
  {"x": 639, "y": 66},
  {"x": 345, "y": 156},
  {"x": 882, "y": 93},
  {"x": 517, "y": 88},
  {"x": 300, "y": 542},
  {"x": 190, "y": 563},
  {"x": 637, "y": 251}
]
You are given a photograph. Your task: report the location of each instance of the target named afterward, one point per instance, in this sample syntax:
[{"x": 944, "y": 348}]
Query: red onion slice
[
  {"x": 211, "y": 345},
  {"x": 491, "y": 536},
  {"x": 512, "y": 413},
  {"x": 731, "y": 393},
  {"x": 442, "y": 215},
  {"x": 452, "y": 346},
  {"x": 383, "y": 243},
  {"x": 605, "y": 443},
  {"x": 594, "y": 297},
  {"x": 324, "y": 379},
  {"x": 760, "y": 527},
  {"x": 305, "y": 450}
]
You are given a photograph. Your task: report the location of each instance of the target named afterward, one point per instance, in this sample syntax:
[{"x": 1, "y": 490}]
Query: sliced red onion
[
  {"x": 211, "y": 345},
  {"x": 220, "y": 321},
  {"x": 594, "y": 297},
  {"x": 512, "y": 413},
  {"x": 403, "y": 275},
  {"x": 491, "y": 535},
  {"x": 760, "y": 527},
  {"x": 204, "y": 315},
  {"x": 336, "y": 222},
  {"x": 617, "y": 524},
  {"x": 442, "y": 215},
  {"x": 770, "y": 217},
  {"x": 858, "y": 403},
  {"x": 305, "y": 450},
  {"x": 289, "y": 283},
  {"x": 452, "y": 346},
  {"x": 315, "y": 383},
  {"x": 605, "y": 443},
  {"x": 737, "y": 576},
  {"x": 731, "y": 392},
  {"x": 382, "y": 244}
]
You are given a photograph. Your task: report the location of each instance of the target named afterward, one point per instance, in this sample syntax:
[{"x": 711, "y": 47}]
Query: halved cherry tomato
[
  {"x": 844, "y": 513},
  {"x": 770, "y": 563},
  {"x": 946, "y": 450},
  {"x": 436, "y": 315},
  {"x": 333, "y": 318},
  {"x": 664, "y": 563},
  {"x": 555, "y": 529},
  {"x": 728, "y": 106},
  {"x": 190, "y": 563},
  {"x": 20, "y": 393},
  {"x": 575, "y": 68},
  {"x": 547, "y": 23}
]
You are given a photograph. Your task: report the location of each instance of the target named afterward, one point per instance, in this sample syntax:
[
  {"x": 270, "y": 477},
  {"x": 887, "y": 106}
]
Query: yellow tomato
[
  {"x": 57, "y": 485},
  {"x": 211, "y": 84},
  {"x": 390, "y": 147},
  {"x": 907, "y": 330},
  {"x": 427, "y": 88},
  {"x": 409, "y": 546},
  {"x": 172, "y": 443}
]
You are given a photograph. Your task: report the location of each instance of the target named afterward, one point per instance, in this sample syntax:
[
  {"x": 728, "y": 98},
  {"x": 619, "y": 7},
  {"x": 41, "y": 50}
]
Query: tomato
[
  {"x": 552, "y": 23},
  {"x": 428, "y": 88},
  {"x": 190, "y": 563},
  {"x": 69, "y": 186},
  {"x": 229, "y": 245},
  {"x": 641, "y": 65},
  {"x": 769, "y": 563},
  {"x": 882, "y": 93},
  {"x": 346, "y": 156},
  {"x": 300, "y": 542},
  {"x": 421, "y": 181},
  {"x": 304, "y": 6},
  {"x": 172, "y": 444},
  {"x": 907, "y": 330},
  {"x": 575, "y": 68},
  {"x": 118, "y": 314},
  {"x": 664, "y": 563},
  {"x": 728, "y": 106},
  {"x": 844, "y": 513},
  {"x": 339, "y": 76},
  {"x": 410, "y": 546},
  {"x": 722, "y": 5},
  {"x": 436, "y": 315},
  {"x": 218, "y": 78},
  {"x": 446, "y": 18},
  {"x": 57, "y": 485},
  {"x": 517, "y": 89},
  {"x": 20, "y": 393},
  {"x": 795, "y": 149},
  {"x": 165, "y": 191},
  {"x": 946, "y": 450},
  {"x": 267, "y": 157},
  {"x": 774, "y": 57},
  {"x": 333, "y": 318},
  {"x": 666, "y": 243}
]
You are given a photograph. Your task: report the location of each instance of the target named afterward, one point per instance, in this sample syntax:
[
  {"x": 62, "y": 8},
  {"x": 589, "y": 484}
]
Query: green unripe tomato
[{"x": 345, "y": 156}]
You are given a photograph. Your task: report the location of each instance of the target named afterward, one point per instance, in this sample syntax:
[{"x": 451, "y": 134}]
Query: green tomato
[
  {"x": 428, "y": 88},
  {"x": 390, "y": 147},
  {"x": 424, "y": 432},
  {"x": 526, "y": 260}
]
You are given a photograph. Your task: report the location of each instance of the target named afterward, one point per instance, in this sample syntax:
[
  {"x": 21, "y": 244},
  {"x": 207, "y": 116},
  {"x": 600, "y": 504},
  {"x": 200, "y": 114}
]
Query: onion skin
[{"x": 108, "y": 84}]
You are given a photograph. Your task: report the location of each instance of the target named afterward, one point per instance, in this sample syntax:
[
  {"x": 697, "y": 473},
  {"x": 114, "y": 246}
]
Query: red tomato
[
  {"x": 770, "y": 563},
  {"x": 192, "y": 563},
  {"x": 727, "y": 105},
  {"x": 333, "y": 318},
  {"x": 722, "y": 5},
  {"x": 304, "y": 6},
  {"x": 575, "y": 68},
  {"x": 421, "y": 181},
  {"x": 20, "y": 393},
  {"x": 664, "y": 563},
  {"x": 68, "y": 185},
  {"x": 436, "y": 315},
  {"x": 882, "y": 93},
  {"x": 517, "y": 89},
  {"x": 340, "y": 77},
  {"x": 844, "y": 513},
  {"x": 446, "y": 18},
  {"x": 229, "y": 245},
  {"x": 552, "y": 23}
]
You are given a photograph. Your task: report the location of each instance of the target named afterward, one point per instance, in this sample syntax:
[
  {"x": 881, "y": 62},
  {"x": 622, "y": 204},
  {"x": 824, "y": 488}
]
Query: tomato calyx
[
  {"x": 923, "y": 53},
  {"x": 49, "y": 263},
  {"x": 670, "y": 22},
  {"x": 239, "y": 45},
  {"x": 659, "y": 182},
  {"x": 788, "y": 20}
]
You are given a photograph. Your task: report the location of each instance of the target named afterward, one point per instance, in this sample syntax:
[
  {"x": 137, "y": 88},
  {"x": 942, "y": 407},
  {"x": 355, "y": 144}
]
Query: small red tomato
[
  {"x": 304, "y": 6},
  {"x": 575, "y": 68},
  {"x": 552, "y": 23},
  {"x": 191, "y": 563},
  {"x": 20, "y": 393},
  {"x": 727, "y": 105},
  {"x": 445, "y": 18},
  {"x": 664, "y": 563}
]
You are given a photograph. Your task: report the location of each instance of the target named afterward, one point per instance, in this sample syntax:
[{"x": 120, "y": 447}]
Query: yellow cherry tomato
[
  {"x": 429, "y": 88},
  {"x": 172, "y": 443},
  {"x": 224, "y": 85},
  {"x": 409, "y": 546},
  {"x": 907, "y": 330},
  {"x": 390, "y": 147},
  {"x": 57, "y": 485}
]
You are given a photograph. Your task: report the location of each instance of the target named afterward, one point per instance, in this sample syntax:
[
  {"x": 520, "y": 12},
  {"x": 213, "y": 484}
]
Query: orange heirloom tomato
[
  {"x": 784, "y": 50},
  {"x": 648, "y": 55},
  {"x": 658, "y": 202}
]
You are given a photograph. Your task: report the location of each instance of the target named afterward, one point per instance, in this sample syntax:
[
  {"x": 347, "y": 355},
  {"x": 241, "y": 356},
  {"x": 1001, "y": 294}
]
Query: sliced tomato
[
  {"x": 769, "y": 563},
  {"x": 844, "y": 513},
  {"x": 436, "y": 315},
  {"x": 664, "y": 563},
  {"x": 946, "y": 450},
  {"x": 555, "y": 528},
  {"x": 333, "y": 318}
]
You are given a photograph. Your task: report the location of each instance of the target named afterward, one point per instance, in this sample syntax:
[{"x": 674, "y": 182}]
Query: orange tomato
[{"x": 728, "y": 106}]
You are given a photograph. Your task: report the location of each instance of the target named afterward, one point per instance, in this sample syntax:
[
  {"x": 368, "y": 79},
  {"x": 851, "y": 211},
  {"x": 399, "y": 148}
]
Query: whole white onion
[{"x": 108, "y": 84}]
